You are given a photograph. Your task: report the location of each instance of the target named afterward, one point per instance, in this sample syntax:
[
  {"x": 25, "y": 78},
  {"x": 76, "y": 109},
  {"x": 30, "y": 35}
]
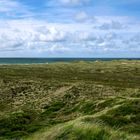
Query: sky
[{"x": 70, "y": 28}]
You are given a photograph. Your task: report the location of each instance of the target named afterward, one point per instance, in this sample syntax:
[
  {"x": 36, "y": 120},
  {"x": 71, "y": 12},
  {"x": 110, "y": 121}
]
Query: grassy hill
[{"x": 70, "y": 101}]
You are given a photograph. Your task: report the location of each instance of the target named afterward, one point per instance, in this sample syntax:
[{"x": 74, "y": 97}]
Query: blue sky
[{"x": 70, "y": 28}]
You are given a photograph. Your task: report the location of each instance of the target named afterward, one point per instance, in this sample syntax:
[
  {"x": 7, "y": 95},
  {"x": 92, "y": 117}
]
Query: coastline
[{"x": 34, "y": 61}]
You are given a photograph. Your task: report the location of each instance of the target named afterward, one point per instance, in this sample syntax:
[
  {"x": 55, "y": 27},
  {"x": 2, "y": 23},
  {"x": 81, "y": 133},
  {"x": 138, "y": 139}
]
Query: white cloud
[
  {"x": 13, "y": 8},
  {"x": 50, "y": 35},
  {"x": 68, "y": 2},
  {"x": 113, "y": 25},
  {"x": 8, "y": 5},
  {"x": 74, "y": 38},
  {"x": 84, "y": 17},
  {"x": 74, "y": 2}
]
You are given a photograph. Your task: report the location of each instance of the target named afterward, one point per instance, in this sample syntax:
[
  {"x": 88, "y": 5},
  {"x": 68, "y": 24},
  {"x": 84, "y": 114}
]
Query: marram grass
[{"x": 70, "y": 101}]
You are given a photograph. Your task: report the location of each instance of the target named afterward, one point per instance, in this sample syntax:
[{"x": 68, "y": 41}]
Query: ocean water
[{"x": 53, "y": 60}]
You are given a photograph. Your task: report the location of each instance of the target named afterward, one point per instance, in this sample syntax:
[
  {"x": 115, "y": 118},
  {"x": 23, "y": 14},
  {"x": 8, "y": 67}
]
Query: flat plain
[{"x": 70, "y": 101}]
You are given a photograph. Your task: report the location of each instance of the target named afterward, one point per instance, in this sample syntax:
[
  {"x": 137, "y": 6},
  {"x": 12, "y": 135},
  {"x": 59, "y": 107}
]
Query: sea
[{"x": 53, "y": 60}]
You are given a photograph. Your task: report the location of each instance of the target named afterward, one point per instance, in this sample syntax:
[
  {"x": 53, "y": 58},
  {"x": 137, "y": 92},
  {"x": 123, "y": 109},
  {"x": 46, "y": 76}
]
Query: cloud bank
[
  {"x": 77, "y": 32},
  {"x": 51, "y": 38}
]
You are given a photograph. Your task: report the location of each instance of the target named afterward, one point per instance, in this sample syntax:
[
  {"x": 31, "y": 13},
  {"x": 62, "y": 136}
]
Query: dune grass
[
  {"x": 82, "y": 129},
  {"x": 74, "y": 101}
]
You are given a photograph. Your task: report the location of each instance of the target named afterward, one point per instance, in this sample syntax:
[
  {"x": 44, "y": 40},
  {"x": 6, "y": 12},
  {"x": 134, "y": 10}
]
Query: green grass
[
  {"x": 126, "y": 116},
  {"x": 74, "y": 101},
  {"x": 81, "y": 129}
]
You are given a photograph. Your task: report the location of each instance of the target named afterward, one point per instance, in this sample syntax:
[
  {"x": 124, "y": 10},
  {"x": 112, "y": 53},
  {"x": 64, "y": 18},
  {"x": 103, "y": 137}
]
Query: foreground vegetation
[{"x": 70, "y": 101}]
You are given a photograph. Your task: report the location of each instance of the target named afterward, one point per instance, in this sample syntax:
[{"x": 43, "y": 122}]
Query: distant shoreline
[{"x": 28, "y": 61}]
